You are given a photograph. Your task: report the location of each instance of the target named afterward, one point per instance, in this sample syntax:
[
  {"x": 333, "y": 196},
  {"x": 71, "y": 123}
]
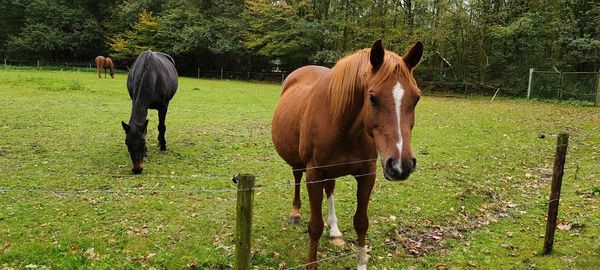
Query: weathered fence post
[
  {"x": 560, "y": 89},
  {"x": 498, "y": 90},
  {"x": 530, "y": 82},
  {"x": 221, "y": 73},
  {"x": 597, "y": 103},
  {"x": 557, "y": 174},
  {"x": 243, "y": 221},
  {"x": 38, "y": 63},
  {"x": 198, "y": 73},
  {"x": 5, "y": 61}
]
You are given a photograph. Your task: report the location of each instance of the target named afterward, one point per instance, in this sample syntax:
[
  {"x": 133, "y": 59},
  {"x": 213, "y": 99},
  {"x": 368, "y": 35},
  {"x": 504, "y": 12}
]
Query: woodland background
[{"x": 488, "y": 42}]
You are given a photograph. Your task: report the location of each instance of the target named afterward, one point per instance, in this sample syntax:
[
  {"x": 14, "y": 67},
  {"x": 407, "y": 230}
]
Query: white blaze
[{"x": 398, "y": 93}]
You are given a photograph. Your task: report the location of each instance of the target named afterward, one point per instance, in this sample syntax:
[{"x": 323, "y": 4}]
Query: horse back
[{"x": 153, "y": 78}]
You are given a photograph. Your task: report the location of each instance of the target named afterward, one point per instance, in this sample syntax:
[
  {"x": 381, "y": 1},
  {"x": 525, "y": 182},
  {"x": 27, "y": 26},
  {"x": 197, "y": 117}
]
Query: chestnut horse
[
  {"x": 104, "y": 63},
  {"x": 334, "y": 122}
]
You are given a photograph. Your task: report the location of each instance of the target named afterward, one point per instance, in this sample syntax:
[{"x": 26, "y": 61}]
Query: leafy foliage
[{"x": 483, "y": 41}]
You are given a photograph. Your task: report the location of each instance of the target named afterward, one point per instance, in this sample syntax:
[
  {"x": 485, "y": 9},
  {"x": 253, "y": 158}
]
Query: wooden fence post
[
  {"x": 530, "y": 82},
  {"x": 221, "y": 73},
  {"x": 243, "y": 221},
  {"x": 597, "y": 103},
  {"x": 557, "y": 174},
  {"x": 198, "y": 72}
]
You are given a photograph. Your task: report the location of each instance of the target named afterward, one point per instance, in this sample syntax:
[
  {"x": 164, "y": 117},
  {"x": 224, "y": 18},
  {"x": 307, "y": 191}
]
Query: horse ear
[
  {"x": 125, "y": 127},
  {"x": 377, "y": 54},
  {"x": 413, "y": 56}
]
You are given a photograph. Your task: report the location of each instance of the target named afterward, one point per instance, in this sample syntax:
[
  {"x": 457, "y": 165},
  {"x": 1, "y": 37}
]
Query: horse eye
[{"x": 373, "y": 100}]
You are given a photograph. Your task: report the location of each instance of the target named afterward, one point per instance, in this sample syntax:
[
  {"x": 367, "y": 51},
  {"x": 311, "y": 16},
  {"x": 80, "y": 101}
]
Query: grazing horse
[
  {"x": 152, "y": 82},
  {"x": 334, "y": 122},
  {"x": 104, "y": 63}
]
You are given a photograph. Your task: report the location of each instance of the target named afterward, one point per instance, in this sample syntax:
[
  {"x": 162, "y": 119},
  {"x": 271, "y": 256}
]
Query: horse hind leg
[
  {"x": 162, "y": 128},
  {"x": 335, "y": 235},
  {"x": 295, "y": 215}
]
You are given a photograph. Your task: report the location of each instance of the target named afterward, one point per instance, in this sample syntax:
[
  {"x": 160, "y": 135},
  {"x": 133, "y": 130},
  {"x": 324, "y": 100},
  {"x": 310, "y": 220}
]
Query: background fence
[
  {"x": 554, "y": 85},
  {"x": 579, "y": 86},
  {"x": 267, "y": 76}
]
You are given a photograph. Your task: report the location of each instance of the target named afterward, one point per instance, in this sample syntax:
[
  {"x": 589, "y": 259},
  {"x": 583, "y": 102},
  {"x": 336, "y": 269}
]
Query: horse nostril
[
  {"x": 389, "y": 165},
  {"x": 136, "y": 170}
]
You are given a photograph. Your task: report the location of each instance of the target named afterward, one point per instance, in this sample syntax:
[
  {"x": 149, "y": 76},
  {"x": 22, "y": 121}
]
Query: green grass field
[{"x": 476, "y": 201}]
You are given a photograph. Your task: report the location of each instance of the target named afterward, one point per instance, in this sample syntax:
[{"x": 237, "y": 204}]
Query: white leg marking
[
  {"x": 332, "y": 221},
  {"x": 362, "y": 259},
  {"x": 398, "y": 93}
]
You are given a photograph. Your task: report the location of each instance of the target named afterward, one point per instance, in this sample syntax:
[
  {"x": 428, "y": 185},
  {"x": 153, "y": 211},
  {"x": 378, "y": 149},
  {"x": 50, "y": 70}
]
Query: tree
[
  {"x": 55, "y": 31},
  {"x": 127, "y": 46}
]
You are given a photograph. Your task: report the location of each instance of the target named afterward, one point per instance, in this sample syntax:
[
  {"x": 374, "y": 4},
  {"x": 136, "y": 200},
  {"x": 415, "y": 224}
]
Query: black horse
[{"x": 152, "y": 82}]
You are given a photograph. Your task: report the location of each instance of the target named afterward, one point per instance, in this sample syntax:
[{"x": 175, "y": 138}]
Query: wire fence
[
  {"x": 555, "y": 85},
  {"x": 223, "y": 74},
  {"x": 233, "y": 191},
  {"x": 428, "y": 86}
]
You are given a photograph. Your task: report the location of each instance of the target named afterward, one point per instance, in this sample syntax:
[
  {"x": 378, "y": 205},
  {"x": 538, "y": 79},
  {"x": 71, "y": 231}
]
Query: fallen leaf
[
  {"x": 91, "y": 254},
  {"x": 564, "y": 226}
]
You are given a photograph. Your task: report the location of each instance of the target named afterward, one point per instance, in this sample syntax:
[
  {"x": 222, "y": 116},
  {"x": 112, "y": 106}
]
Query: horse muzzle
[
  {"x": 137, "y": 169},
  {"x": 394, "y": 170}
]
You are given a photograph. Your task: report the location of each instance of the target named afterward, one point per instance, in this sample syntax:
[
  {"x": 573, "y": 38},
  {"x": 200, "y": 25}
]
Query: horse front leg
[
  {"x": 295, "y": 215},
  {"x": 335, "y": 236},
  {"x": 314, "y": 185},
  {"x": 361, "y": 219},
  {"x": 162, "y": 143}
]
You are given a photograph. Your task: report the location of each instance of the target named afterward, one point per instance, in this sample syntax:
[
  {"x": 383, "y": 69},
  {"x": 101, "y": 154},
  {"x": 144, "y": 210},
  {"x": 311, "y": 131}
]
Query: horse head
[
  {"x": 135, "y": 139},
  {"x": 388, "y": 113},
  {"x": 111, "y": 66}
]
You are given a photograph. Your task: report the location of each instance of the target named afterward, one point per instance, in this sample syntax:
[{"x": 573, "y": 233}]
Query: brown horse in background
[
  {"x": 330, "y": 123},
  {"x": 104, "y": 63}
]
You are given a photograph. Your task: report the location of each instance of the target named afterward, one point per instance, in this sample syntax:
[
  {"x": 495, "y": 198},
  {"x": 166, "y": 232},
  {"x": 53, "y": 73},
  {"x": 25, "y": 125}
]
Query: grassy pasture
[{"x": 477, "y": 200}]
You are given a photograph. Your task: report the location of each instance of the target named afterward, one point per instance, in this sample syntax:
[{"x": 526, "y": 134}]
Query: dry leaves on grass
[
  {"x": 564, "y": 225},
  {"x": 422, "y": 241},
  {"x": 5, "y": 246},
  {"x": 91, "y": 254},
  {"x": 144, "y": 259}
]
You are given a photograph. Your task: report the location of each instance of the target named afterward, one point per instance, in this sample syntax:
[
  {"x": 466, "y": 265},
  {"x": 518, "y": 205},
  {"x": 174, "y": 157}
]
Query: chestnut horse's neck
[{"x": 346, "y": 91}]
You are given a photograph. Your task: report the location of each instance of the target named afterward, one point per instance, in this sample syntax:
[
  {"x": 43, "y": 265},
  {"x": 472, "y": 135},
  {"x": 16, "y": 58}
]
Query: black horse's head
[{"x": 135, "y": 139}]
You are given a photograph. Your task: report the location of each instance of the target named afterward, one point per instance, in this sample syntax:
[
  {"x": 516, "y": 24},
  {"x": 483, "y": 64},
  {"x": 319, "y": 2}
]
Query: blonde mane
[{"x": 348, "y": 84}]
